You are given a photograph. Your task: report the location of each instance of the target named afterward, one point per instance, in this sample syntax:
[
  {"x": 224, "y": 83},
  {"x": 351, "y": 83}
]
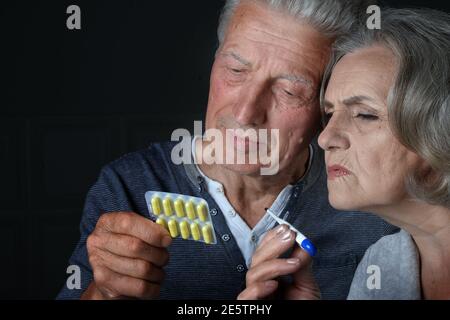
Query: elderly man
[{"x": 266, "y": 76}]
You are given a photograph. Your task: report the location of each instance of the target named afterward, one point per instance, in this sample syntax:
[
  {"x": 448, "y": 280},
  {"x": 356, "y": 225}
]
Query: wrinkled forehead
[
  {"x": 261, "y": 31},
  {"x": 258, "y": 20},
  {"x": 369, "y": 71}
]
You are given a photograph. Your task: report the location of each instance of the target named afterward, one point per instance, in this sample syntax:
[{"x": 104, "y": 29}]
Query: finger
[
  {"x": 135, "y": 268},
  {"x": 301, "y": 254},
  {"x": 303, "y": 277},
  {"x": 272, "y": 269},
  {"x": 259, "y": 290},
  {"x": 274, "y": 248},
  {"x": 115, "y": 285},
  {"x": 132, "y": 224},
  {"x": 273, "y": 233},
  {"x": 130, "y": 247}
]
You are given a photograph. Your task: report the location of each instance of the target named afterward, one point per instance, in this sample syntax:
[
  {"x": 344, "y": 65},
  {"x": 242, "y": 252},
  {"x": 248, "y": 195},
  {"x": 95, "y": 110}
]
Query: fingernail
[
  {"x": 293, "y": 261},
  {"x": 166, "y": 241},
  {"x": 280, "y": 229},
  {"x": 286, "y": 236},
  {"x": 270, "y": 285}
]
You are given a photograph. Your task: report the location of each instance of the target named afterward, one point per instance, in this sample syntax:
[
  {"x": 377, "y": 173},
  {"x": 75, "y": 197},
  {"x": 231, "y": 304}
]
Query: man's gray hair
[
  {"x": 331, "y": 17},
  {"x": 419, "y": 101}
]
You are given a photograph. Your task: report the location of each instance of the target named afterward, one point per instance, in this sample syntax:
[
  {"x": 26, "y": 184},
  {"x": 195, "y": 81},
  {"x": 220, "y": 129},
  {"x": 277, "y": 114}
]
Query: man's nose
[
  {"x": 251, "y": 106},
  {"x": 334, "y": 137}
]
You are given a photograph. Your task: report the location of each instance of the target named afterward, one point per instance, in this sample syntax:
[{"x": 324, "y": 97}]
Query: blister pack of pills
[{"x": 183, "y": 216}]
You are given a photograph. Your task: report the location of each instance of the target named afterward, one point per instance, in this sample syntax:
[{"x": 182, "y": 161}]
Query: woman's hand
[{"x": 266, "y": 267}]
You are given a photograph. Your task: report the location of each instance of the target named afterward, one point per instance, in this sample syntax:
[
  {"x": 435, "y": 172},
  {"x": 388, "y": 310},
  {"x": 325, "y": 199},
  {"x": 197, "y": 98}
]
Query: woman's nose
[{"x": 334, "y": 137}]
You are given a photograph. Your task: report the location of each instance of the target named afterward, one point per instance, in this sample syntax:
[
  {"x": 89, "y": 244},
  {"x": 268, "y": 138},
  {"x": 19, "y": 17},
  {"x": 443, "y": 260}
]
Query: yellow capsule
[
  {"x": 202, "y": 212},
  {"x": 156, "y": 205},
  {"x": 190, "y": 210},
  {"x": 179, "y": 208},
  {"x": 184, "y": 229},
  {"x": 173, "y": 228},
  {"x": 167, "y": 204},
  {"x": 162, "y": 223},
  {"x": 207, "y": 234},
  {"x": 195, "y": 231}
]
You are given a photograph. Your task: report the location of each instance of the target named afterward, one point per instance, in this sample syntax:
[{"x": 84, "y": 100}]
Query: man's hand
[
  {"x": 266, "y": 267},
  {"x": 127, "y": 253}
]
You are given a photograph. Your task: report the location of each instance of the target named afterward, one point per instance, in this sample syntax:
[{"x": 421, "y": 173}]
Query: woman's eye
[
  {"x": 368, "y": 117},
  {"x": 288, "y": 93}
]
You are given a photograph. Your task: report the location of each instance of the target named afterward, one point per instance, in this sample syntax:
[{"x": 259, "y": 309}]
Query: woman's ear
[{"x": 426, "y": 174}]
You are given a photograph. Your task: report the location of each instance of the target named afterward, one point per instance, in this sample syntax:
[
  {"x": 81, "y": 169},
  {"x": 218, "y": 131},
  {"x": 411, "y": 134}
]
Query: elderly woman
[
  {"x": 386, "y": 102},
  {"x": 387, "y": 146}
]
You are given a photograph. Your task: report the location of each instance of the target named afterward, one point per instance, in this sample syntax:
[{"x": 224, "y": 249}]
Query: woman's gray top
[{"x": 389, "y": 270}]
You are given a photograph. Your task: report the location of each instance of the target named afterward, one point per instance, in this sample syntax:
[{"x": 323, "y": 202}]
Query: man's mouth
[{"x": 244, "y": 142}]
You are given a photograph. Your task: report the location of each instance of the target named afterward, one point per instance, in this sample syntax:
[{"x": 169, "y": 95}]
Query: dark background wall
[{"x": 71, "y": 101}]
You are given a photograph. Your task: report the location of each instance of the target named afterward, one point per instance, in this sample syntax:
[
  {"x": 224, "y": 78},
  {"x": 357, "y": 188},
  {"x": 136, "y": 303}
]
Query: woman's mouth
[{"x": 337, "y": 171}]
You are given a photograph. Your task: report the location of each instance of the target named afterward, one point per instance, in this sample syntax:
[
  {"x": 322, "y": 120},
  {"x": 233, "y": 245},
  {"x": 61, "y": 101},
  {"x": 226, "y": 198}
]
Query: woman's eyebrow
[
  {"x": 357, "y": 100},
  {"x": 327, "y": 105}
]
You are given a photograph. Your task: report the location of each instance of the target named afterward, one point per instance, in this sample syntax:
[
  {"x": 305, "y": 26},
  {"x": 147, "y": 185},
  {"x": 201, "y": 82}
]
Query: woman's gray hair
[
  {"x": 419, "y": 101},
  {"x": 331, "y": 17}
]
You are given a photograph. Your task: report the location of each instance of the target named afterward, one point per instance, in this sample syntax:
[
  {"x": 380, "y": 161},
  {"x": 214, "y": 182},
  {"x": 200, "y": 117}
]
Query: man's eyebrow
[
  {"x": 356, "y": 100},
  {"x": 238, "y": 58},
  {"x": 296, "y": 78}
]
